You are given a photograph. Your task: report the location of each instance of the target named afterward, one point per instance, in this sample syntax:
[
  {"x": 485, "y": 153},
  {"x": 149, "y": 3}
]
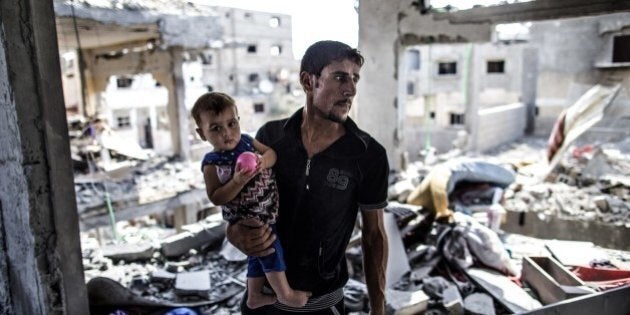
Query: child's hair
[{"x": 215, "y": 102}]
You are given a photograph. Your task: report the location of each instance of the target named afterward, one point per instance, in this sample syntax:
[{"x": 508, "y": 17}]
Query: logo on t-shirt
[{"x": 337, "y": 179}]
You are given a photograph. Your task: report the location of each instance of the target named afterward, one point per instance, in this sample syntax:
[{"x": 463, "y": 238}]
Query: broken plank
[{"x": 510, "y": 295}]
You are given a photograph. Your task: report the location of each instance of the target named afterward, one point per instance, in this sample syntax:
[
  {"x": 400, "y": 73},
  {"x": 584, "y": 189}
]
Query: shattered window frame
[
  {"x": 411, "y": 88},
  {"x": 457, "y": 119},
  {"x": 123, "y": 121},
  {"x": 496, "y": 66},
  {"x": 621, "y": 48},
  {"x": 447, "y": 68},
  {"x": 259, "y": 107},
  {"x": 413, "y": 59},
  {"x": 123, "y": 82}
]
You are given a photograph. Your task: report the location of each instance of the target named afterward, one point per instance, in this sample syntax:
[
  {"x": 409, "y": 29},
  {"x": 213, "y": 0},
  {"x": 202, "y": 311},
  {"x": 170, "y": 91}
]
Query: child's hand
[
  {"x": 242, "y": 176},
  {"x": 262, "y": 163}
]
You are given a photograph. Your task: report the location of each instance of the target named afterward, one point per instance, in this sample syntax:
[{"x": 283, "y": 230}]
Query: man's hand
[{"x": 251, "y": 237}]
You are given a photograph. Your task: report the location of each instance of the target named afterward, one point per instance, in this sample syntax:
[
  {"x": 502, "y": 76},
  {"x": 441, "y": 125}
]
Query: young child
[{"x": 243, "y": 194}]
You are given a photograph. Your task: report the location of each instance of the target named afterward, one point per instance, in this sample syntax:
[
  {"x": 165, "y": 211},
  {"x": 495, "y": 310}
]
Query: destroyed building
[
  {"x": 40, "y": 222},
  {"x": 568, "y": 55},
  {"x": 140, "y": 63}
]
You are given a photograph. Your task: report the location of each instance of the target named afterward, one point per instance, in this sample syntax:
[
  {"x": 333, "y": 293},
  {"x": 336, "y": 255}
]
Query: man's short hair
[
  {"x": 322, "y": 53},
  {"x": 215, "y": 102}
]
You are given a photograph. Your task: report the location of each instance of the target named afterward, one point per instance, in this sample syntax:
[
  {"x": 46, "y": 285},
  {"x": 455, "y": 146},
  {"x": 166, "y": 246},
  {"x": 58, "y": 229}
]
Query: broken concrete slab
[
  {"x": 396, "y": 267},
  {"x": 510, "y": 295},
  {"x": 479, "y": 303},
  {"x": 128, "y": 252},
  {"x": 405, "y": 303},
  {"x": 434, "y": 286},
  {"x": 553, "y": 227},
  {"x": 575, "y": 253},
  {"x": 193, "y": 283},
  {"x": 195, "y": 236},
  {"x": 162, "y": 276},
  {"x": 452, "y": 300},
  {"x": 581, "y": 116}
]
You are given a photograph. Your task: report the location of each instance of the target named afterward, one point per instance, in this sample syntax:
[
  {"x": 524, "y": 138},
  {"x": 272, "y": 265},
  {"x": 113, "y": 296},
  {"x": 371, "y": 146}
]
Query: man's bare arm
[
  {"x": 250, "y": 237},
  {"x": 375, "y": 249}
]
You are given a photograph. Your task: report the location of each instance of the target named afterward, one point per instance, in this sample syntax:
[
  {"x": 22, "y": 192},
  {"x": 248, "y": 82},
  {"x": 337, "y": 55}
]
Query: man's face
[
  {"x": 334, "y": 90},
  {"x": 222, "y": 130}
]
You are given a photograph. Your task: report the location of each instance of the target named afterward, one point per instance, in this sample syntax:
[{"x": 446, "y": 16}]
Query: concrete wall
[
  {"x": 40, "y": 256},
  {"x": 17, "y": 264},
  {"x": 386, "y": 28},
  {"x": 449, "y": 91},
  {"x": 574, "y": 55},
  {"x": 419, "y": 137},
  {"x": 499, "y": 125}
]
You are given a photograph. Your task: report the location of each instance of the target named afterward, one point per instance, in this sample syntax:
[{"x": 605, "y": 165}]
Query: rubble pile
[
  {"x": 592, "y": 183},
  {"x": 154, "y": 179},
  {"x": 112, "y": 171},
  {"x": 565, "y": 201},
  {"x": 156, "y": 267},
  {"x": 463, "y": 265}
]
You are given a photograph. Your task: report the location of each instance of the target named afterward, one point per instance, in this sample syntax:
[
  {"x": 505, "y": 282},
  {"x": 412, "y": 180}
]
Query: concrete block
[
  {"x": 194, "y": 236},
  {"x": 162, "y": 276},
  {"x": 405, "y": 303},
  {"x": 452, "y": 300},
  {"x": 513, "y": 297},
  {"x": 193, "y": 283},
  {"x": 128, "y": 252},
  {"x": 479, "y": 303}
]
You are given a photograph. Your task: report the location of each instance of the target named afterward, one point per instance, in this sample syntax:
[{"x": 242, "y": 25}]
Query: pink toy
[{"x": 247, "y": 161}]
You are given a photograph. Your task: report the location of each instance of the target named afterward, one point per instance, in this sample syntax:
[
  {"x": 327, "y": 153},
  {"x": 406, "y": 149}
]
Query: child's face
[{"x": 221, "y": 130}]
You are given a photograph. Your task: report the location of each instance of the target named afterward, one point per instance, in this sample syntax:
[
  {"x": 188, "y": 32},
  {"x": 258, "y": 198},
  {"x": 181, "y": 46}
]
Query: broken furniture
[{"x": 552, "y": 281}]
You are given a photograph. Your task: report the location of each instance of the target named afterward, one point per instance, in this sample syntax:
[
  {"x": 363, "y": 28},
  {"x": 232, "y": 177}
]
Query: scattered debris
[{"x": 464, "y": 265}]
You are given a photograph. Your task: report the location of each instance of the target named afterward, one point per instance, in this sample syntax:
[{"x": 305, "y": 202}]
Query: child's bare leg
[
  {"x": 286, "y": 295},
  {"x": 255, "y": 297}
]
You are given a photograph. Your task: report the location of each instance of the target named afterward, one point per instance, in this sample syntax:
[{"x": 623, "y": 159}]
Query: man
[{"x": 327, "y": 170}]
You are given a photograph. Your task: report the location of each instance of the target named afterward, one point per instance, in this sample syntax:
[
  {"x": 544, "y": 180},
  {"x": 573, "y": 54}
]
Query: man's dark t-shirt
[{"x": 320, "y": 198}]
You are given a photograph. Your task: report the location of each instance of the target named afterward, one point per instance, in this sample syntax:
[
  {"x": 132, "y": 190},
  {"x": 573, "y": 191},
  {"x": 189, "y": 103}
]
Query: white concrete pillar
[
  {"x": 176, "y": 107},
  {"x": 529, "y": 83},
  {"x": 472, "y": 85},
  {"x": 376, "y": 100}
]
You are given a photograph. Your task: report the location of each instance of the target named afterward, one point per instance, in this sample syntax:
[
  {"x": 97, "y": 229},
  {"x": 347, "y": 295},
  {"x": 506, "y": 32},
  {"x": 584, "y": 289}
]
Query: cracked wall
[{"x": 41, "y": 252}]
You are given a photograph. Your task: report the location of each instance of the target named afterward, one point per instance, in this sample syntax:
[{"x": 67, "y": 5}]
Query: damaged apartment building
[
  {"x": 566, "y": 56},
  {"x": 140, "y": 58},
  {"x": 443, "y": 78}
]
